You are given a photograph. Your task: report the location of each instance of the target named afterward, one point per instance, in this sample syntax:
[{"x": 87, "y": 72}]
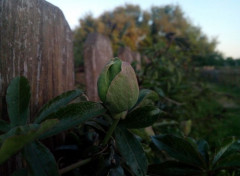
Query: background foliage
[
  {"x": 198, "y": 87},
  {"x": 131, "y": 26},
  {"x": 189, "y": 92}
]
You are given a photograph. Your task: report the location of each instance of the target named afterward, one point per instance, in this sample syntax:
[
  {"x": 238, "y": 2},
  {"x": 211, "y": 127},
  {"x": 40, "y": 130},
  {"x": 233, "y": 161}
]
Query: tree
[{"x": 131, "y": 26}]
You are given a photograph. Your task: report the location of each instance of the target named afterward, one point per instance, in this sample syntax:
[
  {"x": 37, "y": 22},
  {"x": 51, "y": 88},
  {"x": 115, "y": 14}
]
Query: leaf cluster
[
  {"x": 56, "y": 116},
  {"x": 87, "y": 124},
  {"x": 190, "y": 157}
]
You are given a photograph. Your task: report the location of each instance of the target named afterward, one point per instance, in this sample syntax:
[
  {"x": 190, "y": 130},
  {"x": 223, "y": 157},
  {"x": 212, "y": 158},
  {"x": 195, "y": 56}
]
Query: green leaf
[
  {"x": 186, "y": 126},
  {"x": 146, "y": 97},
  {"x": 203, "y": 148},
  {"x": 108, "y": 73},
  {"x": 223, "y": 151},
  {"x": 141, "y": 117},
  {"x": 19, "y": 130},
  {"x": 179, "y": 149},
  {"x": 131, "y": 150},
  {"x": 229, "y": 149},
  {"x": 40, "y": 160},
  {"x": 95, "y": 125},
  {"x": 73, "y": 115},
  {"x": 141, "y": 133},
  {"x": 18, "y": 137},
  {"x": 4, "y": 126},
  {"x": 174, "y": 168},
  {"x": 18, "y": 97},
  {"x": 231, "y": 161},
  {"x": 118, "y": 171},
  {"x": 56, "y": 103},
  {"x": 159, "y": 91}
]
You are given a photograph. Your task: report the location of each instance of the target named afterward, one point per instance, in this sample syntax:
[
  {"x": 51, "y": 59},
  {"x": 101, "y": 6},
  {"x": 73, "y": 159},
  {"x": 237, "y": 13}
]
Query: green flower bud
[{"x": 118, "y": 87}]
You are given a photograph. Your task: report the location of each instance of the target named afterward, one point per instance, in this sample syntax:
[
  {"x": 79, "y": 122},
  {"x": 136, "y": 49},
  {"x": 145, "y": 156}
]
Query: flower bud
[{"x": 118, "y": 87}]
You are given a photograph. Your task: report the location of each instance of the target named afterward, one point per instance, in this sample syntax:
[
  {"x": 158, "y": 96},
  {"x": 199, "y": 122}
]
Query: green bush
[{"x": 118, "y": 149}]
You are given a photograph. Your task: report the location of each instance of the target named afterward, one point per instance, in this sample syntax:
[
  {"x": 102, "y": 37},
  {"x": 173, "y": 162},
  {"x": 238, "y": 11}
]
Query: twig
[
  {"x": 73, "y": 166},
  {"x": 173, "y": 101}
]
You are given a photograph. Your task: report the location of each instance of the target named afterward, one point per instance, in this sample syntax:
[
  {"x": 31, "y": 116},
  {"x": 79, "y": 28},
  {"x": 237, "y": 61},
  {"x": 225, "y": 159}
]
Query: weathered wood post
[
  {"x": 36, "y": 42},
  {"x": 97, "y": 52},
  {"x": 127, "y": 55}
]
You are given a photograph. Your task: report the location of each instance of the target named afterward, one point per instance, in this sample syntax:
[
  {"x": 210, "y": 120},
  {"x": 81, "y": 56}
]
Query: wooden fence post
[
  {"x": 35, "y": 42},
  {"x": 97, "y": 52}
]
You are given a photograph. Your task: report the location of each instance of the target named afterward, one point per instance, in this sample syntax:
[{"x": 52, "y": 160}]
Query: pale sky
[{"x": 217, "y": 18}]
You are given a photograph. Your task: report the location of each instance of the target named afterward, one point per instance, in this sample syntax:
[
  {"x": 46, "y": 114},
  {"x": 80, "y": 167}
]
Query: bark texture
[{"x": 35, "y": 42}]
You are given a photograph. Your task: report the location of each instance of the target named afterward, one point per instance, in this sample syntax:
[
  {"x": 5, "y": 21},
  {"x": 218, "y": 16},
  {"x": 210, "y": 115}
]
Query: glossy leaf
[
  {"x": 73, "y": 115},
  {"x": 18, "y": 137},
  {"x": 40, "y": 160},
  {"x": 131, "y": 150},
  {"x": 146, "y": 97},
  {"x": 220, "y": 154},
  {"x": 231, "y": 148},
  {"x": 174, "y": 168},
  {"x": 4, "y": 126},
  {"x": 108, "y": 73},
  {"x": 179, "y": 149},
  {"x": 231, "y": 161},
  {"x": 56, "y": 103},
  {"x": 18, "y": 97},
  {"x": 141, "y": 117}
]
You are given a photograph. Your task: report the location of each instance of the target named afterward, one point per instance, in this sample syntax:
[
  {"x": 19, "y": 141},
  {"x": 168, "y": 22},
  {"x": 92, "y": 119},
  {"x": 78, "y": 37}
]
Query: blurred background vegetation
[{"x": 198, "y": 86}]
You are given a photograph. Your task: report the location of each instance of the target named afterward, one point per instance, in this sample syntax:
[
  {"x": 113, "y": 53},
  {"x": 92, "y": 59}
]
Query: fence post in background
[
  {"x": 127, "y": 55},
  {"x": 97, "y": 52}
]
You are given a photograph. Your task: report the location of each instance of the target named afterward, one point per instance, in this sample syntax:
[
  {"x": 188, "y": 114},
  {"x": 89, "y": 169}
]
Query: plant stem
[
  {"x": 73, "y": 166},
  {"x": 82, "y": 162},
  {"x": 110, "y": 131}
]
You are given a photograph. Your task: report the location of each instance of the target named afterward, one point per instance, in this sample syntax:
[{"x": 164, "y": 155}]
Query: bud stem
[{"x": 110, "y": 131}]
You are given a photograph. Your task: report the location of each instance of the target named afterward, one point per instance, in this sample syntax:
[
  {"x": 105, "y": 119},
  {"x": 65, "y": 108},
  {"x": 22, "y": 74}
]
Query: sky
[{"x": 217, "y": 18}]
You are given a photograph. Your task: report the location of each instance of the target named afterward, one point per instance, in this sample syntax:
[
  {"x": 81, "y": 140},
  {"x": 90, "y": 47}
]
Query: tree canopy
[{"x": 131, "y": 26}]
